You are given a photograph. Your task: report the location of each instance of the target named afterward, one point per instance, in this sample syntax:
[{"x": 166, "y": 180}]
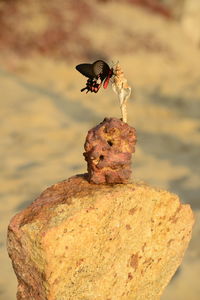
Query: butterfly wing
[
  {"x": 106, "y": 82},
  {"x": 101, "y": 69},
  {"x": 86, "y": 70}
]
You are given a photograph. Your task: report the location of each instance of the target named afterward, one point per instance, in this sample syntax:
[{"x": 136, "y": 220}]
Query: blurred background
[{"x": 44, "y": 118}]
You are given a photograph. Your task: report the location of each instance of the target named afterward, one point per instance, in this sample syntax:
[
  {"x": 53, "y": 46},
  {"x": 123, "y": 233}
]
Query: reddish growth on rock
[{"x": 108, "y": 151}]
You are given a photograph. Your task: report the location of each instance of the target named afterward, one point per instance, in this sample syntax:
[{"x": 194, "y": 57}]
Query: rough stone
[
  {"x": 98, "y": 242},
  {"x": 108, "y": 151}
]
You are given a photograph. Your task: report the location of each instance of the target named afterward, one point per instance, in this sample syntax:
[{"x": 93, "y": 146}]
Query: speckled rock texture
[
  {"x": 108, "y": 151},
  {"x": 98, "y": 242}
]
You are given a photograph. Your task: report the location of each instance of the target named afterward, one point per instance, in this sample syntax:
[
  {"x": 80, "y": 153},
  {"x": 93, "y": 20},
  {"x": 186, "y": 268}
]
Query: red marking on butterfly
[{"x": 96, "y": 73}]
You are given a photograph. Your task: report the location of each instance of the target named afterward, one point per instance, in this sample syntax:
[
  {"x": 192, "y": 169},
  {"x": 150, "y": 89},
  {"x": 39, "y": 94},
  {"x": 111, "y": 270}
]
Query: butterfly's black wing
[
  {"x": 101, "y": 69},
  {"x": 86, "y": 70}
]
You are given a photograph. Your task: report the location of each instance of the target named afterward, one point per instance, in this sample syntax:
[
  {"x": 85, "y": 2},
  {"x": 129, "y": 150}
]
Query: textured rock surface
[
  {"x": 108, "y": 151},
  {"x": 83, "y": 241}
]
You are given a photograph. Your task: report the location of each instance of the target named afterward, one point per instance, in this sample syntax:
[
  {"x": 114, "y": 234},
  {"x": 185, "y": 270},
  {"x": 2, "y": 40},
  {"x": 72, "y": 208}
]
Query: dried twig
[{"x": 122, "y": 89}]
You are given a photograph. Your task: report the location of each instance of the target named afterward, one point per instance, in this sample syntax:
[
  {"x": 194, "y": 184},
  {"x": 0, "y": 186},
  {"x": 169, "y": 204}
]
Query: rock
[
  {"x": 108, "y": 151},
  {"x": 85, "y": 241}
]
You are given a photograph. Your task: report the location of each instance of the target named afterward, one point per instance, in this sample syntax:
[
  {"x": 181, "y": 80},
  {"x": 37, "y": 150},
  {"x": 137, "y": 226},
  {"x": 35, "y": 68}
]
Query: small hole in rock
[
  {"x": 110, "y": 143},
  {"x": 105, "y": 130},
  {"x": 101, "y": 157}
]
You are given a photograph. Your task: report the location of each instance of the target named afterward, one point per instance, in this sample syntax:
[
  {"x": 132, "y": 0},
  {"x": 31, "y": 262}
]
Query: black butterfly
[{"x": 97, "y": 72}]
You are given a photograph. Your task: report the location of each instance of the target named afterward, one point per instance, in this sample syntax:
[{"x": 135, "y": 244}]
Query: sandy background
[{"x": 44, "y": 118}]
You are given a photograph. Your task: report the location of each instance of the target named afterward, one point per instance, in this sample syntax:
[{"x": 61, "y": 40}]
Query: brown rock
[
  {"x": 85, "y": 241},
  {"x": 108, "y": 151}
]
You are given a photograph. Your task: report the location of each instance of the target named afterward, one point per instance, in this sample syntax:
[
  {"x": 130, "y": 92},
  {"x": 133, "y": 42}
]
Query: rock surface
[
  {"x": 108, "y": 151},
  {"x": 83, "y": 241}
]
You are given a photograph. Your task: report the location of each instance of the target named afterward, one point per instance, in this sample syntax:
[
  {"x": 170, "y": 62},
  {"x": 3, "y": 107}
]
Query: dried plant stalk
[{"x": 122, "y": 89}]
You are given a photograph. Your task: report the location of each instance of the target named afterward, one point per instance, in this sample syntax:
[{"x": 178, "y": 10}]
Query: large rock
[{"x": 84, "y": 241}]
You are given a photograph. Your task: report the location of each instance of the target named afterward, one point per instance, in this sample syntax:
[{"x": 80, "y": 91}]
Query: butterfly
[{"x": 96, "y": 73}]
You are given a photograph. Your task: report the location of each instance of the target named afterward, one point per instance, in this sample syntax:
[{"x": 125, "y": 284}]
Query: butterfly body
[{"x": 96, "y": 73}]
